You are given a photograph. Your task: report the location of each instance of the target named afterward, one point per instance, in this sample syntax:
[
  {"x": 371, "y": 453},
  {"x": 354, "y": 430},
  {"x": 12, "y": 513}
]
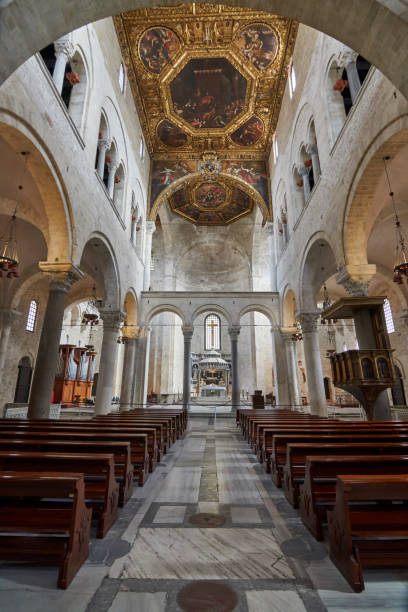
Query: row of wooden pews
[
  {"x": 349, "y": 477},
  {"x": 57, "y": 476}
]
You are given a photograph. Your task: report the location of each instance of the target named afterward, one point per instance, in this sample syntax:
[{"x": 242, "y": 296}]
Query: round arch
[
  {"x": 155, "y": 310},
  {"x": 289, "y": 308},
  {"x": 60, "y": 234},
  {"x": 211, "y": 308},
  {"x": 258, "y": 308},
  {"x": 312, "y": 273},
  {"x": 99, "y": 261}
]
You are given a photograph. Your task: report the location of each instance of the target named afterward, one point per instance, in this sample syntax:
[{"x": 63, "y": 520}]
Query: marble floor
[{"x": 262, "y": 551}]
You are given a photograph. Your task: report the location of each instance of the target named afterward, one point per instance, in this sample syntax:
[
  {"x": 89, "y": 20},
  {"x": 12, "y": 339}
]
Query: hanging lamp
[{"x": 401, "y": 256}]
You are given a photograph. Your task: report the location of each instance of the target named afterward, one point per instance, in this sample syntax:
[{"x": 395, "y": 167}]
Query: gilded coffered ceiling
[{"x": 207, "y": 77}]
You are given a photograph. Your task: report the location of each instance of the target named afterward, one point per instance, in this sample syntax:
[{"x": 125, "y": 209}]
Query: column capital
[
  {"x": 112, "y": 319},
  {"x": 308, "y": 321},
  {"x": 103, "y": 144},
  {"x": 64, "y": 46},
  {"x": 62, "y": 275},
  {"x": 234, "y": 332},
  {"x": 113, "y": 166},
  {"x": 347, "y": 57},
  {"x": 150, "y": 227},
  {"x": 188, "y": 332},
  {"x": 311, "y": 148},
  {"x": 303, "y": 170},
  {"x": 287, "y": 333},
  {"x": 269, "y": 227},
  {"x": 130, "y": 332},
  {"x": 356, "y": 278}
]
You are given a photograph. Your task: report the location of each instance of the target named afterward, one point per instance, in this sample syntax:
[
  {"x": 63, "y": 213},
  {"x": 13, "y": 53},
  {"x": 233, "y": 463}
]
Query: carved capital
[
  {"x": 103, "y": 144},
  {"x": 150, "y": 227},
  {"x": 62, "y": 275},
  {"x": 287, "y": 334},
  {"x": 64, "y": 46},
  {"x": 269, "y": 228},
  {"x": 311, "y": 148},
  {"x": 308, "y": 321},
  {"x": 188, "y": 332},
  {"x": 234, "y": 332},
  {"x": 355, "y": 279},
  {"x": 347, "y": 57},
  {"x": 130, "y": 332},
  {"x": 112, "y": 319},
  {"x": 303, "y": 170}
]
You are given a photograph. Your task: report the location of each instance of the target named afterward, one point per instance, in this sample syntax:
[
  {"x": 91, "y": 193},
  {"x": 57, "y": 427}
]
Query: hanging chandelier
[
  {"x": 91, "y": 318},
  {"x": 401, "y": 257},
  {"x": 8, "y": 250},
  {"x": 297, "y": 335}
]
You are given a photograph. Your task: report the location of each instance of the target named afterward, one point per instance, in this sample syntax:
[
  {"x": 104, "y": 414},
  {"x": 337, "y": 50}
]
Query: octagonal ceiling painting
[{"x": 206, "y": 77}]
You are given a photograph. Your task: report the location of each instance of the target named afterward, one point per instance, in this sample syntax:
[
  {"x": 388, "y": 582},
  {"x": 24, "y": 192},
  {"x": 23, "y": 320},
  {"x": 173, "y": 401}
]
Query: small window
[
  {"x": 292, "y": 81},
  {"x": 212, "y": 326},
  {"x": 121, "y": 78},
  {"x": 141, "y": 148},
  {"x": 152, "y": 261},
  {"x": 32, "y": 316},
  {"x": 388, "y": 317},
  {"x": 275, "y": 149}
]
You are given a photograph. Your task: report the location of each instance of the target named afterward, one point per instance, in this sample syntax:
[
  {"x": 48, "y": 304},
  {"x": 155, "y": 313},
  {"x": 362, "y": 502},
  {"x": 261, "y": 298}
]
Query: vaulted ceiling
[{"x": 207, "y": 77}]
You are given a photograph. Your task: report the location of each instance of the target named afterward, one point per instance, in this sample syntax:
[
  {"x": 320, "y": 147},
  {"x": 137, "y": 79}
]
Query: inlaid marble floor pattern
[{"x": 261, "y": 551}]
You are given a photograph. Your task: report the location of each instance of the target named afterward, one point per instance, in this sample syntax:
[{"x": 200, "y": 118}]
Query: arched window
[
  {"x": 275, "y": 149},
  {"x": 141, "y": 148},
  {"x": 388, "y": 317},
  {"x": 32, "y": 316},
  {"x": 121, "y": 78},
  {"x": 119, "y": 188},
  {"x": 75, "y": 87},
  {"x": 212, "y": 332},
  {"x": 292, "y": 81}
]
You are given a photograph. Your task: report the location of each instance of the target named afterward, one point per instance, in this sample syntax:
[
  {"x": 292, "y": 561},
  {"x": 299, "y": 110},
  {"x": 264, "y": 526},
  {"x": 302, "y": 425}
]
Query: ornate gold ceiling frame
[
  {"x": 209, "y": 16},
  {"x": 223, "y": 176},
  {"x": 193, "y": 186}
]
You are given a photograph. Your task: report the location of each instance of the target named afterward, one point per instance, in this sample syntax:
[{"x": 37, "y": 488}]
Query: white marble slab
[
  {"x": 245, "y": 515},
  {"x": 208, "y": 507},
  {"x": 170, "y": 514},
  {"x": 390, "y": 595},
  {"x": 166, "y": 553},
  {"x": 181, "y": 485},
  {"x": 126, "y": 601},
  {"x": 274, "y": 601}
]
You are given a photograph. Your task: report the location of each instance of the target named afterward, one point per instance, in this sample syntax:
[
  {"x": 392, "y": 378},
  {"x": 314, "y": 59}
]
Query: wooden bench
[
  {"x": 101, "y": 488},
  {"x": 119, "y": 450},
  {"x": 318, "y": 492},
  {"x": 61, "y": 534},
  {"x": 138, "y": 443},
  {"x": 296, "y": 455},
  {"x": 368, "y": 525}
]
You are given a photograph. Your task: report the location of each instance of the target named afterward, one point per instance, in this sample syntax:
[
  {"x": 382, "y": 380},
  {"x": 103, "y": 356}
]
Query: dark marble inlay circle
[
  {"x": 207, "y": 596},
  {"x": 205, "y": 519}
]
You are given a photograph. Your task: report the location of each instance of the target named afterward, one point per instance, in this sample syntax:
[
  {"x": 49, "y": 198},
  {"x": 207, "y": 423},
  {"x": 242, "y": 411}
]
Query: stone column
[
  {"x": 233, "y": 334},
  {"x": 308, "y": 322},
  {"x": 141, "y": 364},
  {"x": 188, "y": 334},
  {"x": 304, "y": 173},
  {"x": 271, "y": 255},
  {"x": 146, "y": 365},
  {"x": 112, "y": 320},
  {"x": 356, "y": 278},
  {"x": 7, "y": 317},
  {"x": 62, "y": 276},
  {"x": 150, "y": 229},
  {"x": 126, "y": 395},
  {"x": 113, "y": 166},
  {"x": 312, "y": 150},
  {"x": 348, "y": 59},
  {"x": 280, "y": 368},
  {"x": 103, "y": 146},
  {"x": 293, "y": 371},
  {"x": 64, "y": 49}
]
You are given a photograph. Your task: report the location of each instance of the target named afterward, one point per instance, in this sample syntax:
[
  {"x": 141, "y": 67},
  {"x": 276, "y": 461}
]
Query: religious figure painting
[
  {"x": 164, "y": 173},
  {"x": 171, "y": 135},
  {"x": 259, "y": 44},
  {"x": 190, "y": 211},
  {"x": 157, "y": 47},
  {"x": 240, "y": 203},
  {"x": 249, "y": 133},
  {"x": 252, "y": 172},
  {"x": 210, "y": 195},
  {"x": 208, "y": 93},
  {"x": 180, "y": 198}
]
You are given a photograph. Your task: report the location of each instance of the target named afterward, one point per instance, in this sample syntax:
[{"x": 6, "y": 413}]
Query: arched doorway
[
  {"x": 397, "y": 391},
  {"x": 23, "y": 385}
]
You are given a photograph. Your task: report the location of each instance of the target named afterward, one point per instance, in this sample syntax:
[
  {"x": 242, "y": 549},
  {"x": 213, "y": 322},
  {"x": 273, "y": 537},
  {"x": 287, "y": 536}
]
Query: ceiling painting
[{"x": 207, "y": 79}]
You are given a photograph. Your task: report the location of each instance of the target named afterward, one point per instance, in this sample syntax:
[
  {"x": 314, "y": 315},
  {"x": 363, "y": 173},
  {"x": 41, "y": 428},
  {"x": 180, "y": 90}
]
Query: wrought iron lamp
[
  {"x": 8, "y": 250},
  {"x": 401, "y": 257}
]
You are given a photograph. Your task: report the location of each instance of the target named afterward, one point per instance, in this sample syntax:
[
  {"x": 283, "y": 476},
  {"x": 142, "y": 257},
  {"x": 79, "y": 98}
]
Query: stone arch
[
  {"x": 209, "y": 308},
  {"x": 177, "y": 184},
  {"x": 312, "y": 273},
  {"x": 130, "y": 307},
  {"x": 80, "y": 92},
  {"x": 59, "y": 233},
  {"x": 258, "y": 308},
  {"x": 359, "y": 218},
  {"x": 289, "y": 308},
  {"x": 32, "y": 31},
  {"x": 155, "y": 310},
  {"x": 99, "y": 261}
]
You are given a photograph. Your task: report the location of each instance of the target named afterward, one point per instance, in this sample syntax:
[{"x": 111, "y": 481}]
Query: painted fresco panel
[
  {"x": 259, "y": 43},
  {"x": 249, "y": 133},
  {"x": 157, "y": 47}
]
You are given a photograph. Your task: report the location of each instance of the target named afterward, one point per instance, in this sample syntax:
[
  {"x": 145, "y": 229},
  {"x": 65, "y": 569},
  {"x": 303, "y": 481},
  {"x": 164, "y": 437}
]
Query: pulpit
[{"x": 74, "y": 374}]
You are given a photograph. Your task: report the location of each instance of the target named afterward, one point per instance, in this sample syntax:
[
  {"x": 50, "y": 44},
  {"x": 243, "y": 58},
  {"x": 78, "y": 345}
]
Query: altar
[
  {"x": 213, "y": 391},
  {"x": 213, "y": 375}
]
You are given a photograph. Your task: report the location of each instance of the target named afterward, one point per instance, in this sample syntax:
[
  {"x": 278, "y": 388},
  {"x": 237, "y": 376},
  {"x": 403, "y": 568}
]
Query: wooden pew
[
  {"x": 368, "y": 526},
  {"x": 101, "y": 488},
  {"x": 296, "y": 455},
  {"x": 276, "y": 459},
  {"x": 61, "y": 533},
  {"x": 138, "y": 444},
  {"x": 318, "y": 492}
]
